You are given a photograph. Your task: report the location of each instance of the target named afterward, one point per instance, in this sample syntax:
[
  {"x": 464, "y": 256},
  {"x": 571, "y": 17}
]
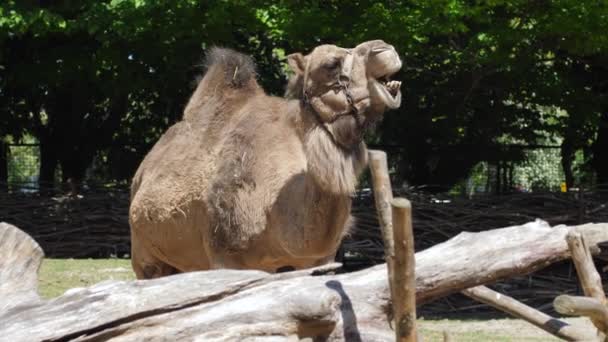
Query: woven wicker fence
[
  {"x": 95, "y": 224},
  {"x": 436, "y": 219}
]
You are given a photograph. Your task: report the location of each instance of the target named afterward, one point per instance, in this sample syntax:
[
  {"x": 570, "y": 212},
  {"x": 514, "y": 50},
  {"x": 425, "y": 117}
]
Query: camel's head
[
  {"x": 382, "y": 63},
  {"x": 347, "y": 84}
]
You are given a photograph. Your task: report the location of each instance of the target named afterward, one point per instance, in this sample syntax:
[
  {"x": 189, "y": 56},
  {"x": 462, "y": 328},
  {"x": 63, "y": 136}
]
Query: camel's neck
[{"x": 332, "y": 166}]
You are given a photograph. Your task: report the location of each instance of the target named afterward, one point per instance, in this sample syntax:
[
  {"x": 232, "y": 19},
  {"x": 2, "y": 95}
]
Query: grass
[
  {"x": 58, "y": 275},
  {"x": 491, "y": 330}
]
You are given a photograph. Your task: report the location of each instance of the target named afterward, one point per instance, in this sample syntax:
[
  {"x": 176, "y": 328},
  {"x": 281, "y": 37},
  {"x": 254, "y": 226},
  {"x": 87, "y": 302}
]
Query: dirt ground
[{"x": 58, "y": 275}]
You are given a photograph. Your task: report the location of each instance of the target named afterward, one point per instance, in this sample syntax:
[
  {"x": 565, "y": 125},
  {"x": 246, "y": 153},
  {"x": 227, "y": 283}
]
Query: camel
[{"x": 251, "y": 181}]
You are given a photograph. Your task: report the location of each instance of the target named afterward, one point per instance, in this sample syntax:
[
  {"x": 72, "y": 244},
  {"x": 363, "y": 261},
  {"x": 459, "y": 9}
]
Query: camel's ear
[{"x": 297, "y": 62}]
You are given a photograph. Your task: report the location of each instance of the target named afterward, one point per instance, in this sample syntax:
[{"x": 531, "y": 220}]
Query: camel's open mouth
[
  {"x": 384, "y": 62},
  {"x": 388, "y": 91}
]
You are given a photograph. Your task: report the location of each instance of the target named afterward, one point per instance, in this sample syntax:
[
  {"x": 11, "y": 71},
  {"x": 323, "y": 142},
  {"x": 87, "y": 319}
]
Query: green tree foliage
[
  {"x": 105, "y": 78},
  {"x": 91, "y": 76},
  {"x": 474, "y": 73}
]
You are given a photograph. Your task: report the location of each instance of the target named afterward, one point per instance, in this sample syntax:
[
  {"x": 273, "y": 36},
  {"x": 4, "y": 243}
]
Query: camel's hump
[{"x": 238, "y": 68}]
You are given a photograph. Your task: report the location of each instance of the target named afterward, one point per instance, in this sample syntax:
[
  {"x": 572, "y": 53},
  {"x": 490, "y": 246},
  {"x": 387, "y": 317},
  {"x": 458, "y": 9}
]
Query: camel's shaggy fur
[{"x": 246, "y": 180}]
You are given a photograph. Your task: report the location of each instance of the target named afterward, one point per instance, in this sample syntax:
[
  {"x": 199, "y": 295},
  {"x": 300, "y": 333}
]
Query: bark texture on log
[
  {"x": 242, "y": 305},
  {"x": 210, "y": 305},
  {"x": 20, "y": 260},
  {"x": 471, "y": 259}
]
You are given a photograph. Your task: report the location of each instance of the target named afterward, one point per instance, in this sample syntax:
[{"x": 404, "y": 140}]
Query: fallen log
[
  {"x": 21, "y": 258},
  {"x": 471, "y": 259},
  {"x": 241, "y": 305}
]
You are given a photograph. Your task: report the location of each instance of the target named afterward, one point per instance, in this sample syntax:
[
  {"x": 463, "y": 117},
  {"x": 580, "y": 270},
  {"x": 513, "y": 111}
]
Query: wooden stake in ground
[
  {"x": 404, "y": 287},
  {"x": 383, "y": 195},
  {"x": 585, "y": 269},
  {"x": 595, "y": 306}
]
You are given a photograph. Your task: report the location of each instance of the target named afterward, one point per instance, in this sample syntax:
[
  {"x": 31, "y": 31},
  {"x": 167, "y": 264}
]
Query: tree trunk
[
  {"x": 491, "y": 177},
  {"x": 511, "y": 177},
  {"x": 567, "y": 154},
  {"x": 499, "y": 177},
  {"x": 74, "y": 165},
  {"x": 48, "y": 163},
  {"x": 600, "y": 151},
  {"x": 3, "y": 166},
  {"x": 241, "y": 305}
]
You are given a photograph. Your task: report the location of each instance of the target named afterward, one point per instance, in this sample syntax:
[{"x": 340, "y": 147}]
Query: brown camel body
[{"x": 251, "y": 181}]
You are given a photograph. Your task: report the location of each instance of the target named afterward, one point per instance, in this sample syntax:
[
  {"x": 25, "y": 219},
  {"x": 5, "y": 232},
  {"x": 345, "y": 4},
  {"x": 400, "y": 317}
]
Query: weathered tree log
[
  {"x": 240, "y": 305},
  {"x": 471, "y": 259},
  {"x": 518, "y": 309},
  {"x": 20, "y": 259}
]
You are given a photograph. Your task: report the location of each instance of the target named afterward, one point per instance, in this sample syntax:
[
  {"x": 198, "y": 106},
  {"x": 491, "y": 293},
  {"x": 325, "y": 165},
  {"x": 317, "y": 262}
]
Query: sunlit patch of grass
[
  {"x": 481, "y": 330},
  {"x": 58, "y": 275},
  {"x": 477, "y": 336}
]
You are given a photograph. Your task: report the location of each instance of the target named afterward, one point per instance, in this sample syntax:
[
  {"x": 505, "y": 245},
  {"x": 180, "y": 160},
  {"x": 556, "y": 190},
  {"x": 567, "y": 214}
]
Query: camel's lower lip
[{"x": 390, "y": 97}]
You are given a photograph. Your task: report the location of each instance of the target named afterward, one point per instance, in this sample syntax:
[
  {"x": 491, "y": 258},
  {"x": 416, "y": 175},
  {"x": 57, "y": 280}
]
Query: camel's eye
[{"x": 332, "y": 64}]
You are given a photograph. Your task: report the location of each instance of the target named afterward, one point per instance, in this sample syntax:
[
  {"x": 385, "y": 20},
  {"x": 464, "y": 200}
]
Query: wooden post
[
  {"x": 518, "y": 309},
  {"x": 591, "y": 283},
  {"x": 404, "y": 286},
  {"x": 585, "y": 269},
  {"x": 383, "y": 194}
]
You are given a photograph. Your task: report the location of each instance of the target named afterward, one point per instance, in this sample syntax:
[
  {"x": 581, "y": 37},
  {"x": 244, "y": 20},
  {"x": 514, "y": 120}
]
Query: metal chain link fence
[{"x": 23, "y": 164}]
